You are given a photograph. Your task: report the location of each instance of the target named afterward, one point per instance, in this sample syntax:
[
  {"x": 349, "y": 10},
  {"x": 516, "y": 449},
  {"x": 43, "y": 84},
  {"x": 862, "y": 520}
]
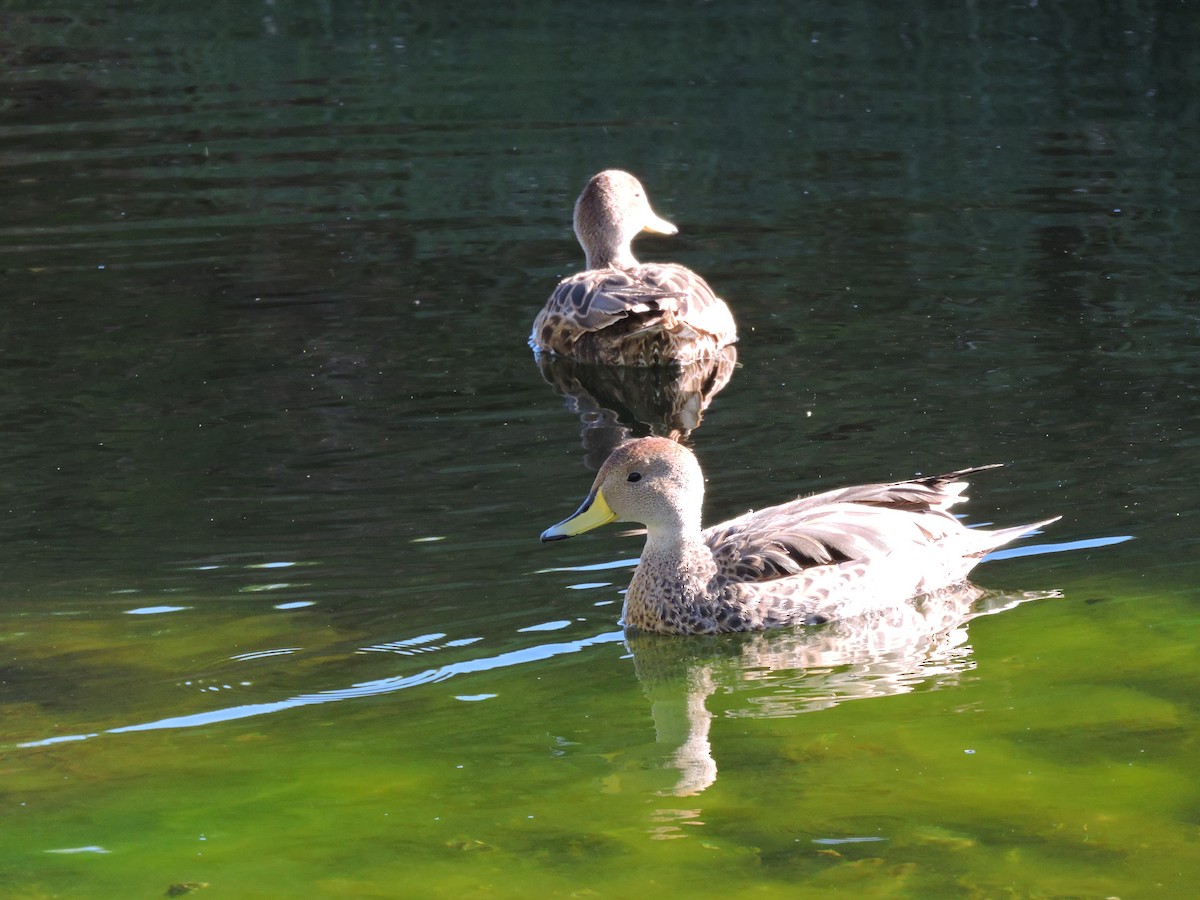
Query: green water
[{"x": 276, "y": 621}]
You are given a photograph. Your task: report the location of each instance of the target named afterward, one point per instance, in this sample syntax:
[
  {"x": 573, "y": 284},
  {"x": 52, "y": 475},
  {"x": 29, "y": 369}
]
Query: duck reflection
[
  {"x": 615, "y": 403},
  {"x": 888, "y": 652}
]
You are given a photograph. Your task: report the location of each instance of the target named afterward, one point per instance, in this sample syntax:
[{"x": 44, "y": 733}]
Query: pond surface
[{"x": 276, "y": 621}]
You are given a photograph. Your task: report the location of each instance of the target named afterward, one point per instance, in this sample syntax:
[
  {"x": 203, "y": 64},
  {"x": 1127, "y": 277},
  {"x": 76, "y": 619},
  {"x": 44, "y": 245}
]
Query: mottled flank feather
[
  {"x": 620, "y": 311},
  {"x": 835, "y": 555}
]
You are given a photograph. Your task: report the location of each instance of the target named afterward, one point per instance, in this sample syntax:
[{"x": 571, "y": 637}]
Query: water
[{"x": 276, "y": 619}]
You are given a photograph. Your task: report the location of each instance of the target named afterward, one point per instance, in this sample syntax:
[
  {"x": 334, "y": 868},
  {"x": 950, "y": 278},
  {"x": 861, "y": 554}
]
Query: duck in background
[{"x": 622, "y": 312}]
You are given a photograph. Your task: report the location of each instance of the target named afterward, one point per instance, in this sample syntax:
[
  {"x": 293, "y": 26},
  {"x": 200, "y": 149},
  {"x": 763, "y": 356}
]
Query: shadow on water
[{"x": 615, "y": 403}]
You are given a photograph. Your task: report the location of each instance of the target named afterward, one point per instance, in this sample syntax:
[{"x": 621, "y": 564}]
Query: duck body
[
  {"x": 622, "y": 312},
  {"x": 833, "y": 556}
]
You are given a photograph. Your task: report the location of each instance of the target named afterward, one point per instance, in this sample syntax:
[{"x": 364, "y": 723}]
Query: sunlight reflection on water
[{"x": 365, "y": 689}]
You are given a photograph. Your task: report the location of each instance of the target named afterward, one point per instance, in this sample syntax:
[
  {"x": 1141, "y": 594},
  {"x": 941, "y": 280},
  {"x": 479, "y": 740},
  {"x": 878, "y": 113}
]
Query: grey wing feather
[{"x": 836, "y": 526}]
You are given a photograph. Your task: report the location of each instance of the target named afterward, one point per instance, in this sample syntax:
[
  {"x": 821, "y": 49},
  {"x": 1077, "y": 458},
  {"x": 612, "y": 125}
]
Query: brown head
[
  {"x": 651, "y": 480},
  {"x": 612, "y": 210}
]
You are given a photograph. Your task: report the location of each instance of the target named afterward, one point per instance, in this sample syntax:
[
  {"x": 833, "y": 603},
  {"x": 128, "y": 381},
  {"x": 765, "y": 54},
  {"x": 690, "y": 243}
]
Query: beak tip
[
  {"x": 659, "y": 225},
  {"x": 592, "y": 514}
]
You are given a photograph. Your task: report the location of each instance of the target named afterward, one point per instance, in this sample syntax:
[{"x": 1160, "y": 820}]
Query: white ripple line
[{"x": 365, "y": 689}]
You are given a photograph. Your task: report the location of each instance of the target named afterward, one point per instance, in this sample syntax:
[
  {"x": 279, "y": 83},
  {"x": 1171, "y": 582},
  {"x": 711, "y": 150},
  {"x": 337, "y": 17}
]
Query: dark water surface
[{"x": 276, "y": 621}]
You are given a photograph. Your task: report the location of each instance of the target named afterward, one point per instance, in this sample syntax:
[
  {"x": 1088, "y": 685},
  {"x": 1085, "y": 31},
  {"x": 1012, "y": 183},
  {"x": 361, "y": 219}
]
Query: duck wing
[
  {"x": 866, "y": 586},
  {"x": 692, "y": 306},
  {"x": 647, "y": 297},
  {"x": 838, "y": 526},
  {"x": 598, "y": 298}
]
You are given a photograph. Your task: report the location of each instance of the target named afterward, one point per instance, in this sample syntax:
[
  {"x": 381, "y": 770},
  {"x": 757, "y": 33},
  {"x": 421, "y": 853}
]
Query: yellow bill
[{"x": 592, "y": 514}]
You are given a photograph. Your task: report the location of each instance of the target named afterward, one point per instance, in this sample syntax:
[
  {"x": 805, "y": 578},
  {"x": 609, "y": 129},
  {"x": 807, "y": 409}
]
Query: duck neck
[
  {"x": 672, "y": 579},
  {"x": 606, "y": 257}
]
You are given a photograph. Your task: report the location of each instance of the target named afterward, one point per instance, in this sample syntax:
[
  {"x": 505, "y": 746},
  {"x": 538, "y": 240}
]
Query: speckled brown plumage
[
  {"x": 836, "y": 555},
  {"x": 622, "y": 312}
]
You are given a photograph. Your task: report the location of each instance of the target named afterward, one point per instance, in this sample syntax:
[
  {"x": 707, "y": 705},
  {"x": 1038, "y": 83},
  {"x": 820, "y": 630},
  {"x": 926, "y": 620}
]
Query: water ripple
[{"x": 372, "y": 688}]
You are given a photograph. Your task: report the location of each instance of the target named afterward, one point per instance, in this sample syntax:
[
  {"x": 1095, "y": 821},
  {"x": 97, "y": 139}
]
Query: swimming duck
[
  {"x": 835, "y": 555},
  {"x": 622, "y": 312}
]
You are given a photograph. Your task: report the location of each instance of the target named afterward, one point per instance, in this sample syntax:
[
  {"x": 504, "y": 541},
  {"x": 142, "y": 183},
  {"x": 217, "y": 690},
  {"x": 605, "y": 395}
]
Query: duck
[
  {"x": 834, "y": 556},
  {"x": 619, "y": 311}
]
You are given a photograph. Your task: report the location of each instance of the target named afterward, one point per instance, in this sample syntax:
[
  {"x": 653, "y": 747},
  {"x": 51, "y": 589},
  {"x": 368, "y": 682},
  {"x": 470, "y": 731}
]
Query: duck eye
[{"x": 634, "y": 476}]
